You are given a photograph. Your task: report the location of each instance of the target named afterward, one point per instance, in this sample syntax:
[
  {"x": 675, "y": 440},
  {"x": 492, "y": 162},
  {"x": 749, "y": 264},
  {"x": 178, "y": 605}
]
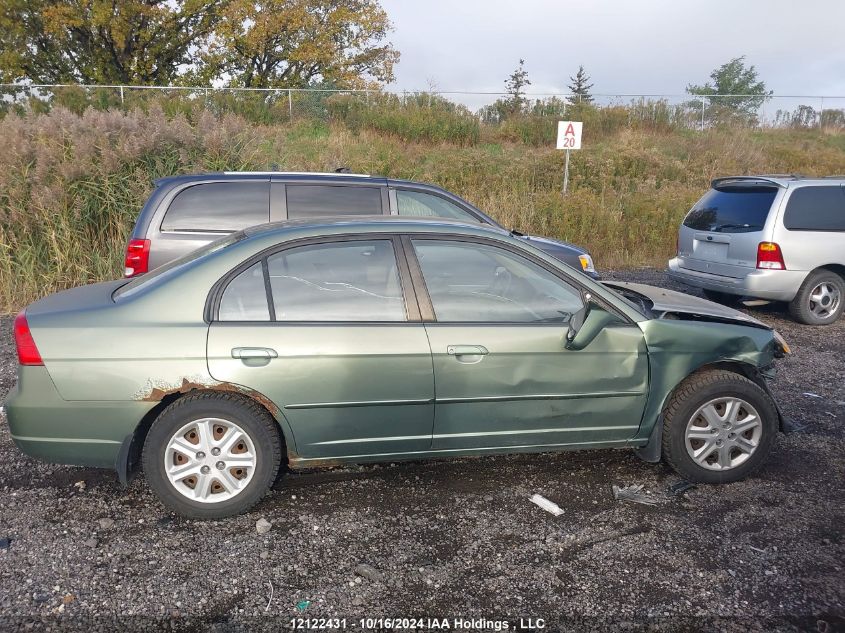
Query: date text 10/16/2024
[{"x": 432, "y": 624}]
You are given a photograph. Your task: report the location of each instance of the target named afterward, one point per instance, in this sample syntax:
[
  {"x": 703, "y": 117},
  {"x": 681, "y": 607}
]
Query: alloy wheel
[{"x": 824, "y": 300}]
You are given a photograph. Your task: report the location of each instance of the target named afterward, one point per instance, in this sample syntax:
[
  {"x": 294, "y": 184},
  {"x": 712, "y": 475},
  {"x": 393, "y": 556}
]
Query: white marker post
[{"x": 568, "y": 138}]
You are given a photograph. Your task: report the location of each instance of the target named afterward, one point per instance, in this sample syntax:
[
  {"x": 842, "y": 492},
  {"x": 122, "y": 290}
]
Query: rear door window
[
  {"x": 340, "y": 281},
  {"x": 219, "y": 207},
  {"x": 308, "y": 201},
  {"x": 732, "y": 210},
  {"x": 816, "y": 209}
]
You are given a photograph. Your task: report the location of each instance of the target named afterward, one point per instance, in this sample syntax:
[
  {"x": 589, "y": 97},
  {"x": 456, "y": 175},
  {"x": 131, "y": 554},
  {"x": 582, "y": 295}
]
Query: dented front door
[
  {"x": 502, "y": 374},
  {"x": 525, "y": 388}
]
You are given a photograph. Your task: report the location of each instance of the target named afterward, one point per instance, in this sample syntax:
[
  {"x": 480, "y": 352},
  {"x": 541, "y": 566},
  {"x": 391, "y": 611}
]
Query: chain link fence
[{"x": 694, "y": 112}]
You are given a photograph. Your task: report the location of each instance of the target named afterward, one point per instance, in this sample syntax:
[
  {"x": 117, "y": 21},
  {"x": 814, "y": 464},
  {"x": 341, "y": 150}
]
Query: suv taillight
[
  {"x": 769, "y": 256},
  {"x": 137, "y": 258},
  {"x": 27, "y": 351}
]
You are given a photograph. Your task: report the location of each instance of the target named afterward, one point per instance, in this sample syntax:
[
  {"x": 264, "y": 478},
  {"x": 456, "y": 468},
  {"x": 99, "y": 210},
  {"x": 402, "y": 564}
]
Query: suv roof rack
[{"x": 295, "y": 173}]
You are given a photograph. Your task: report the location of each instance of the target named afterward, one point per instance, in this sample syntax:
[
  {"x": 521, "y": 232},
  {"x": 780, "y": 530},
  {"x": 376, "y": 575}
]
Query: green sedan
[{"x": 379, "y": 339}]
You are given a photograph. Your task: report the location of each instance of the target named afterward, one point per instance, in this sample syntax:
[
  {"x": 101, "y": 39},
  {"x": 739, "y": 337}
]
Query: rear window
[
  {"x": 308, "y": 201},
  {"x": 734, "y": 210},
  {"x": 816, "y": 209},
  {"x": 219, "y": 206}
]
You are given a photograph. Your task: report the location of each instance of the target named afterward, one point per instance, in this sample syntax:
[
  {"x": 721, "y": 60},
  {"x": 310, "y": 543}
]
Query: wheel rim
[
  {"x": 824, "y": 300},
  {"x": 723, "y": 433},
  {"x": 210, "y": 460}
]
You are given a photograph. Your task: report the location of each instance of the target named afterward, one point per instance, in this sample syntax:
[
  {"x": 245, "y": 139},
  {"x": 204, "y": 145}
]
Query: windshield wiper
[{"x": 719, "y": 227}]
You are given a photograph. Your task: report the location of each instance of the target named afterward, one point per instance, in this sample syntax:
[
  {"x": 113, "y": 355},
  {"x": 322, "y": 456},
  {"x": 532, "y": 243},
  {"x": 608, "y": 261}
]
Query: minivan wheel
[
  {"x": 720, "y": 297},
  {"x": 718, "y": 427},
  {"x": 212, "y": 455},
  {"x": 820, "y": 299}
]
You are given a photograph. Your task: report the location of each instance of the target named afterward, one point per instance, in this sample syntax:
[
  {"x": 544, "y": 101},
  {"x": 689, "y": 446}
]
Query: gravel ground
[{"x": 452, "y": 538}]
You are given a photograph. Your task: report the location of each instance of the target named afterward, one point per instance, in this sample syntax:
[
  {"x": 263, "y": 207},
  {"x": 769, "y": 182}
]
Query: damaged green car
[{"x": 380, "y": 339}]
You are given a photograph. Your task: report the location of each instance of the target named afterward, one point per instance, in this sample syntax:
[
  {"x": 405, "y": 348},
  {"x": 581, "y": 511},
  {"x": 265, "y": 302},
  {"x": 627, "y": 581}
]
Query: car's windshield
[
  {"x": 173, "y": 267},
  {"x": 732, "y": 210}
]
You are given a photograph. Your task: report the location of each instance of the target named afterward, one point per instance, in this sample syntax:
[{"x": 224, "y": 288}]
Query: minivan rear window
[{"x": 732, "y": 210}]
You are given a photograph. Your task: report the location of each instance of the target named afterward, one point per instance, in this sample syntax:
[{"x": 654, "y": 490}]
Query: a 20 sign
[{"x": 569, "y": 134}]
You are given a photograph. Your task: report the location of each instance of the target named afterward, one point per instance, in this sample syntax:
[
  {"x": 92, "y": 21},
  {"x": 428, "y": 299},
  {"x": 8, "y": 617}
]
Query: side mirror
[{"x": 586, "y": 324}]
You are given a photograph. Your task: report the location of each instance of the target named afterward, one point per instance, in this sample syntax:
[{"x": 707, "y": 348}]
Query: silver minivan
[{"x": 777, "y": 238}]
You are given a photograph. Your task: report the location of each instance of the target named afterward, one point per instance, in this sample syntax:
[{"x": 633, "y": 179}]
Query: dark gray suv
[{"x": 186, "y": 212}]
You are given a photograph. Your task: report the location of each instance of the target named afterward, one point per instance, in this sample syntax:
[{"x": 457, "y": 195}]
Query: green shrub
[{"x": 422, "y": 117}]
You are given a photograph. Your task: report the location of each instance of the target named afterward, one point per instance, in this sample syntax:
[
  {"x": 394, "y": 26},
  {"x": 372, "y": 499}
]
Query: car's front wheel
[
  {"x": 719, "y": 426},
  {"x": 212, "y": 455}
]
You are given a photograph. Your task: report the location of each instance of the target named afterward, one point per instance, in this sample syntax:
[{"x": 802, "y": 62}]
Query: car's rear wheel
[
  {"x": 820, "y": 299},
  {"x": 212, "y": 455},
  {"x": 720, "y": 297},
  {"x": 719, "y": 426}
]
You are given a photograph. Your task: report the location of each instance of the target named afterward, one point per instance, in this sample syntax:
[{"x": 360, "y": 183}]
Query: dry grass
[{"x": 71, "y": 185}]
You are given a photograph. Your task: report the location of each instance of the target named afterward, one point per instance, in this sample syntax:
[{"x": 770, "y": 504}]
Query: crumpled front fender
[{"x": 678, "y": 348}]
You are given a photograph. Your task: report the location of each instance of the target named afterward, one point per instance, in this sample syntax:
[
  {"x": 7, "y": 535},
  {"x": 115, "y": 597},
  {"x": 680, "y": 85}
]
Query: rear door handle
[
  {"x": 466, "y": 350},
  {"x": 264, "y": 353}
]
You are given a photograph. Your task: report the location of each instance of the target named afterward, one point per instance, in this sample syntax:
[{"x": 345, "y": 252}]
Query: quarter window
[
  {"x": 219, "y": 207},
  {"x": 816, "y": 209},
  {"x": 308, "y": 201},
  {"x": 417, "y": 203},
  {"x": 245, "y": 298},
  {"x": 343, "y": 281},
  {"x": 481, "y": 283}
]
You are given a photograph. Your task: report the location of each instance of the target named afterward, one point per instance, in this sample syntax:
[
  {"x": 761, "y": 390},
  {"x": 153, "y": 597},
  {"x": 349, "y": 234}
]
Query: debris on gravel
[
  {"x": 549, "y": 506},
  {"x": 106, "y": 523},
  {"x": 441, "y": 547},
  {"x": 633, "y": 493},
  {"x": 262, "y": 526},
  {"x": 680, "y": 487},
  {"x": 369, "y": 572}
]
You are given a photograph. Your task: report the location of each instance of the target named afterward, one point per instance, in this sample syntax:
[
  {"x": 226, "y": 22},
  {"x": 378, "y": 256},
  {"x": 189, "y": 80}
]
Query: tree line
[
  {"x": 240, "y": 43},
  {"x": 735, "y": 78}
]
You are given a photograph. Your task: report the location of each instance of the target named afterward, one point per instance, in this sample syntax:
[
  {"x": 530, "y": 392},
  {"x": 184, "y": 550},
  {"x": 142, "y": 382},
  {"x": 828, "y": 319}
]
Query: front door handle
[
  {"x": 466, "y": 350},
  {"x": 258, "y": 353}
]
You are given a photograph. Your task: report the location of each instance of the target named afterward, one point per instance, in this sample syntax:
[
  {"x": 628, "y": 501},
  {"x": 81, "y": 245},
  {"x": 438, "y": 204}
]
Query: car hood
[
  {"x": 547, "y": 244},
  {"x": 665, "y": 302}
]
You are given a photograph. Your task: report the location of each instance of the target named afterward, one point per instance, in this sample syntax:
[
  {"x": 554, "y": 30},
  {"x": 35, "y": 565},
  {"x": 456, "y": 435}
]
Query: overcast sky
[{"x": 626, "y": 46}]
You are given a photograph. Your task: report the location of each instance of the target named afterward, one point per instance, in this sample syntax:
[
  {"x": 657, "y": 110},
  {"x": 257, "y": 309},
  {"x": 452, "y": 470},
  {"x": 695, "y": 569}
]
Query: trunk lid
[{"x": 76, "y": 299}]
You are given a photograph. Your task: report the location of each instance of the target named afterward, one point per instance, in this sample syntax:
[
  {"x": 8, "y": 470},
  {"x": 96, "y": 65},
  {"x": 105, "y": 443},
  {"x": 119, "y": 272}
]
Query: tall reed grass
[{"x": 71, "y": 184}]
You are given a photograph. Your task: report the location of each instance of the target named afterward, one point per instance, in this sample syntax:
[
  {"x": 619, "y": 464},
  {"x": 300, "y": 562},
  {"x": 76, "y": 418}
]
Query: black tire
[
  {"x": 801, "y": 306},
  {"x": 253, "y": 419},
  {"x": 694, "y": 392},
  {"x": 720, "y": 297}
]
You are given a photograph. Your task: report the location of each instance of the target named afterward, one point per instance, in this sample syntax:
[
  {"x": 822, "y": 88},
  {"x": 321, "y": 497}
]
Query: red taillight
[
  {"x": 137, "y": 258},
  {"x": 27, "y": 351},
  {"x": 769, "y": 256}
]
